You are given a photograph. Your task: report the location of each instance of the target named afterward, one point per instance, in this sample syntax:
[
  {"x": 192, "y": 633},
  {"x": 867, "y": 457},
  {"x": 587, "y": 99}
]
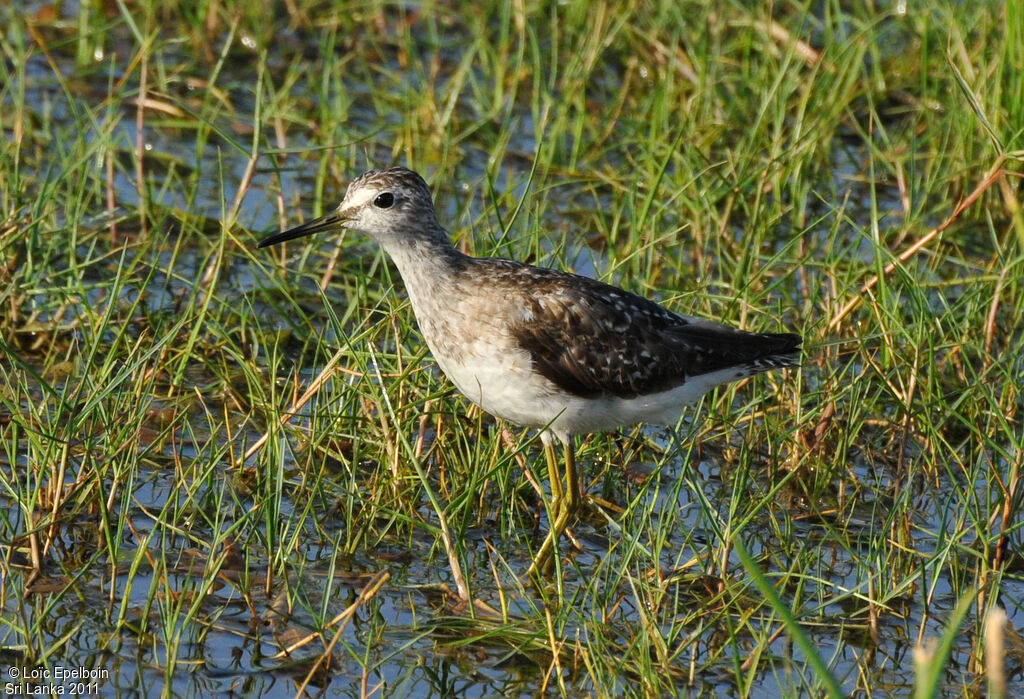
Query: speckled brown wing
[{"x": 592, "y": 339}]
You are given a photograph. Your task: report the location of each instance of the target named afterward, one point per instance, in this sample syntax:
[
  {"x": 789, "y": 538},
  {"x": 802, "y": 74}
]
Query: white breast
[{"x": 504, "y": 384}]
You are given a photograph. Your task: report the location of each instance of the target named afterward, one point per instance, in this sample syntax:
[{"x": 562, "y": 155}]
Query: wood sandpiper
[{"x": 543, "y": 348}]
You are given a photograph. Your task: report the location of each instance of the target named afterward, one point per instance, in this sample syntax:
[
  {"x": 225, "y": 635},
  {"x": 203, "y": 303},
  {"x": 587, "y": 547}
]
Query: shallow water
[{"x": 405, "y": 632}]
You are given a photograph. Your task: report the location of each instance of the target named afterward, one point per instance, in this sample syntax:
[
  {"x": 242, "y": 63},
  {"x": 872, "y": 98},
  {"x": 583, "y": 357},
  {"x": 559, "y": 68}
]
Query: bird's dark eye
[{"x": 384, "y": 201}]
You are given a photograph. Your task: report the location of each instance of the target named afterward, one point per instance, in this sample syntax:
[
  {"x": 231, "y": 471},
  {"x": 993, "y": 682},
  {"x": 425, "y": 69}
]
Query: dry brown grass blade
[
  {"x": 314, "y": 387},
  {"x": 990, "y": 178},
  {"x": 995, "y": 652},
  {"x": 367, "y": 593}
]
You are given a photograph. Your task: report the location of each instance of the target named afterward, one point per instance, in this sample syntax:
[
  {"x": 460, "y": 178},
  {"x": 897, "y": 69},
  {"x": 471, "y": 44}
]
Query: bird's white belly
[{"x": 505, "y": 384}]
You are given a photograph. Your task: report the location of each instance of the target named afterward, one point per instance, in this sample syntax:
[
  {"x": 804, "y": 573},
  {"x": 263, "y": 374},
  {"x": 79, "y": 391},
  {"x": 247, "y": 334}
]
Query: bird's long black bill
[{"x": 327, "y": 222}]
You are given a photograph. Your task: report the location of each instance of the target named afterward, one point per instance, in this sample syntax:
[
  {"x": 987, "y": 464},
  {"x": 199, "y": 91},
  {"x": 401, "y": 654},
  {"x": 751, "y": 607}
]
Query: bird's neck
[{"x": 430, "y": 267}]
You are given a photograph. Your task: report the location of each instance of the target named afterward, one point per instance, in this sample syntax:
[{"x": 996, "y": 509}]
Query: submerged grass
[{"x": 175, "y": 513}]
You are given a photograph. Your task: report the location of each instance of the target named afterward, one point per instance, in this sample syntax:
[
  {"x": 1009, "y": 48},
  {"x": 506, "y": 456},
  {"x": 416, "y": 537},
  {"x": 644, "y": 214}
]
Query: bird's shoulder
[
  {"x": 551, "y": 293},
  {"x": 592, "y": 339},
  {"x": 588, "y": 337}
]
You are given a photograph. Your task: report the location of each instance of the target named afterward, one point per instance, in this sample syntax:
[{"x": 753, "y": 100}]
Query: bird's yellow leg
[
  {"x": 556, "y": 515},
  {"x": 573, "y": 484},
  {"x": 565, "y": 503},
  {"x": 555, "y": 478},
  {"x": 542, "y": 561}
]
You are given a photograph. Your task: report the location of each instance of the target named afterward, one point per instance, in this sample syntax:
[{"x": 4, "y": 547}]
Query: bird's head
[{"x": 392, "y": 206}]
